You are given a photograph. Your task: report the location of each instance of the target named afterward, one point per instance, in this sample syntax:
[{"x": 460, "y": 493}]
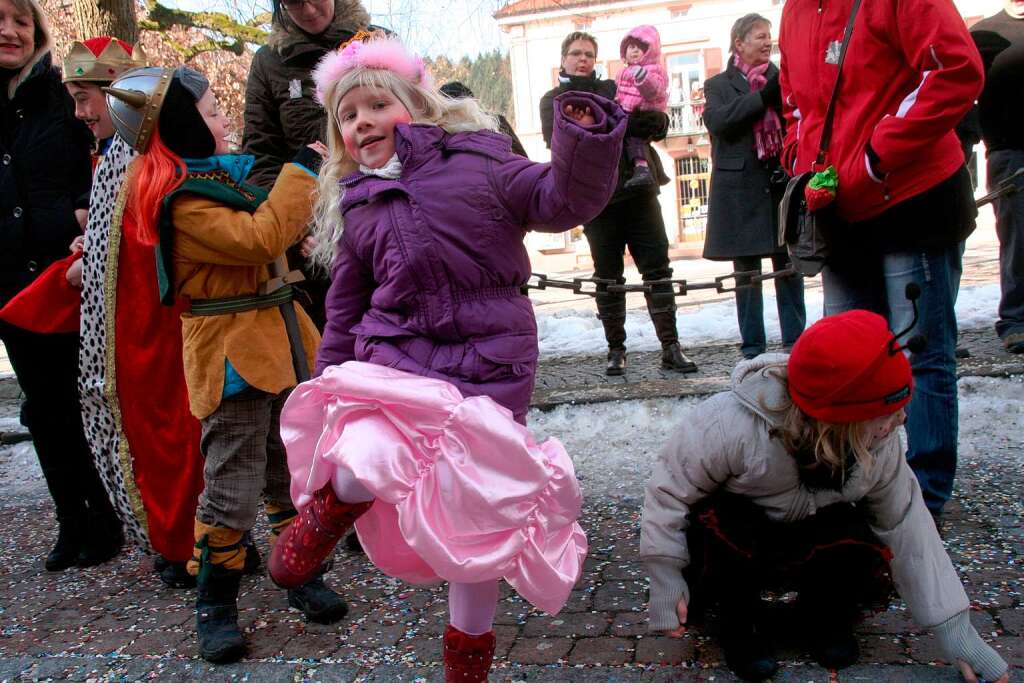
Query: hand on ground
[
  {"x": 970, "y": 677},
  {"x": 681, "y": 612}
]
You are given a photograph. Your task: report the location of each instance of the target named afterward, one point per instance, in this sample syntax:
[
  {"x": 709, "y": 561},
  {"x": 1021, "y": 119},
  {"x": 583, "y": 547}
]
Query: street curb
[{"x": 9, "y": 389}]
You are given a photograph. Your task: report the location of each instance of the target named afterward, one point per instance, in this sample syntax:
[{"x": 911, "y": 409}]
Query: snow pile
[
  {"x": 578, "y": 331},
  {"x": 614, "y": 445}
]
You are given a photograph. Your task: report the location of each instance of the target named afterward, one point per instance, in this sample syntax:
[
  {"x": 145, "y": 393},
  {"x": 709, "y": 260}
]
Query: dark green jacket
[{"x": 281, "y": 111}]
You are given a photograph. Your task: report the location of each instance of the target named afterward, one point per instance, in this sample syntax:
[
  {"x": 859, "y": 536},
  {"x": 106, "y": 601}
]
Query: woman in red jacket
[{"x": 910, "y": 74}]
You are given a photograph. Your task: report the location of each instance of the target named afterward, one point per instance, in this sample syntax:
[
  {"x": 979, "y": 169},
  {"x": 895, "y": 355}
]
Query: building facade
[{"x": 695, "y": 46}]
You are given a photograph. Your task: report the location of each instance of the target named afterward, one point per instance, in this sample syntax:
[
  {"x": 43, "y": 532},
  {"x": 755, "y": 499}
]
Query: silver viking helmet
[{"x": 134, "y": 101}]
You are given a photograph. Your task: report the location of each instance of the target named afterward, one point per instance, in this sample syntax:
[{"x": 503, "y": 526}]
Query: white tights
[{"x": 471, "y": 606}]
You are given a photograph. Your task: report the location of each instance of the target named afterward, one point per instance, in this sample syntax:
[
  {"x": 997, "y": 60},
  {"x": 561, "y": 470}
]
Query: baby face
[{"x": 634, "y": 53}]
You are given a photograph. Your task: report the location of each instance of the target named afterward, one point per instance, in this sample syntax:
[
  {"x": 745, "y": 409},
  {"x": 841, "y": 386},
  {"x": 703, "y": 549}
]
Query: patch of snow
[
  {"x": 577, "y": 331},
  {"x": 614, "y": 445}
]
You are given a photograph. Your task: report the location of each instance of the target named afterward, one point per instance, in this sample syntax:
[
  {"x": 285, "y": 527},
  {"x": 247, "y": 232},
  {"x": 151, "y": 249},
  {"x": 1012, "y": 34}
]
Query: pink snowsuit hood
[
  {"x": 651, "y": 92},
  {"x": 649, "y": 35}
]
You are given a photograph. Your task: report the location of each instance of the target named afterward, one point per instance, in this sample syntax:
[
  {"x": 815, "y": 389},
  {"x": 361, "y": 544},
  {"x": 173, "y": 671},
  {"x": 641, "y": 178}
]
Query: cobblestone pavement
[{"x": 118, "y": 622}]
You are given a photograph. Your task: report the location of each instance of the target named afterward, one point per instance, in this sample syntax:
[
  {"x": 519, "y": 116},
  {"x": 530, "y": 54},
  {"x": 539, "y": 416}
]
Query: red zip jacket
[{"x": 911, "y": 73}]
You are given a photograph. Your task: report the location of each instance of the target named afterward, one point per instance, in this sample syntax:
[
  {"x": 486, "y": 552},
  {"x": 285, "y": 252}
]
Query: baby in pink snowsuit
[{"x": 641, "y": 86}]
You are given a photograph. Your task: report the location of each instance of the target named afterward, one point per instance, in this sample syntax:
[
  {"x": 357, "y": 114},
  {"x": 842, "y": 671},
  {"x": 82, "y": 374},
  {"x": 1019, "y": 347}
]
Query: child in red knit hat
[{"x": 795, "y": 478}]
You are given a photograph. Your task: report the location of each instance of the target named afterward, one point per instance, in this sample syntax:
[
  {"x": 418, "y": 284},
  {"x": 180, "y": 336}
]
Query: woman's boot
[
  {"x": 309, "y": 540},
  {"x": 662, "y": 308},
  {"x": 217, "y": 561},
  {"x": 467, "y": 659},
  {"x": 103, "y": 537},
  {"x": 611, "y": 311},
  {"x": 65, "y": 551}
]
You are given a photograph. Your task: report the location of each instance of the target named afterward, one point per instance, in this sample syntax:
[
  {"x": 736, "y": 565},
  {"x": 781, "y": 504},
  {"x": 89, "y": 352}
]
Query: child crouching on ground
[
  {"x": 215, "y": 235},
  {"x": 426, "y": 246},
  {"x": 797, "y": 475}
]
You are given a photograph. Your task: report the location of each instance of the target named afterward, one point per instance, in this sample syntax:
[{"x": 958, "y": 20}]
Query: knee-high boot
[
  {"x": 314, "y": 599},
  {"x": 310, "y": 538},
  {"x": 467, "y": 659},
  {"x": 662, "y": 307},
  {"x": 611, "y": 311},
  {"x": 217, "y": 562}
]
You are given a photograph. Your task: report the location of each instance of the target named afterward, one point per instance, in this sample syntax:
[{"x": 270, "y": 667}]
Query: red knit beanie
[{"x": 842, "y": 369}]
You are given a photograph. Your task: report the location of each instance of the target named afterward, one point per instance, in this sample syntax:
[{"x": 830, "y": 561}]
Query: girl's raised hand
[{"x": 581, "y": 115}]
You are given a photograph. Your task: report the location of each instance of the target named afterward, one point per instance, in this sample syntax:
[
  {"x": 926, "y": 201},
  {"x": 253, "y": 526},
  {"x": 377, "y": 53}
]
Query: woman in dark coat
[
  {"x": 743, "y": 116},
  {"x": 632, "y": 217},
  {"x": 281, "y": 111},
  {"x": 45, "y": 167}
]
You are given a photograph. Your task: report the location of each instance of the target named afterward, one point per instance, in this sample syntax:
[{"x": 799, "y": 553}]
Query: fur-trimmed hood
[
  {"x": 349, "y": 17},
  {"x": 44, "y": 44},
  {"x": 646, "y": 34}
]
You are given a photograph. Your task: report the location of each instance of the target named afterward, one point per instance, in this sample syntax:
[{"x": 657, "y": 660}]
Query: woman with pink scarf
[{"x": 743, "y": 117}]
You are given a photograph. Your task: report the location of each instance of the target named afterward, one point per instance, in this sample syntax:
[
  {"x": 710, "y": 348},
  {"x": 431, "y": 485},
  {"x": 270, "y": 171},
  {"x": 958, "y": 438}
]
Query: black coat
[
  {"x": 648, "y": 125},
  {"x": 742, "y": 211},
  {"x": 45, "y": 165}
]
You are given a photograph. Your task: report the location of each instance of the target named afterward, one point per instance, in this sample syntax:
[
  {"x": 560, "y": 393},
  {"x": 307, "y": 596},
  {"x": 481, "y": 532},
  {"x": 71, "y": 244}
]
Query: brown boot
[
  {"x": 310, "y": 539},
  {"x": 616, "y": 362},
  {"x": 467, "y": 659}
]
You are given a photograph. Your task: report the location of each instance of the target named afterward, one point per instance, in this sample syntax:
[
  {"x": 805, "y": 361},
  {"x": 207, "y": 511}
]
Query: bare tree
[{"x": 106, "y": 18}]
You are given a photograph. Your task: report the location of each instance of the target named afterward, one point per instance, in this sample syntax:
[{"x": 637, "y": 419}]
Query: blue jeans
[
  {"x": 789, "y": 299},
  {"x": 878, "y": 284},
  {"x": 1010, "y": 228}
]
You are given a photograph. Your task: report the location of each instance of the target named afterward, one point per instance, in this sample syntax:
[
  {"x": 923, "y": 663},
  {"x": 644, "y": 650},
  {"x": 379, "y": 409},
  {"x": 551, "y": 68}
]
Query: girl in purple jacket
[{"x": 415, "y": 424}]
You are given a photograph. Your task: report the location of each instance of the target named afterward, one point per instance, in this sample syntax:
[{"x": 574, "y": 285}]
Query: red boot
[
  {"x": 467, "y": 659},
  {"x": 301, "y": 549}
]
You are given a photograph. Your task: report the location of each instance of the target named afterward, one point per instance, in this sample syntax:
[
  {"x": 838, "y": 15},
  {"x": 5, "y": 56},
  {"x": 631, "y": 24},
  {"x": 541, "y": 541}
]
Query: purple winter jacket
[{"x": 428, "y": 272}]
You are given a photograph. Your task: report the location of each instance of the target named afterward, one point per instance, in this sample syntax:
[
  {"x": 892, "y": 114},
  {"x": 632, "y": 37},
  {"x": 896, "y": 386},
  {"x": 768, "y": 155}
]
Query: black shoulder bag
[{"x": 805, "y": 233}]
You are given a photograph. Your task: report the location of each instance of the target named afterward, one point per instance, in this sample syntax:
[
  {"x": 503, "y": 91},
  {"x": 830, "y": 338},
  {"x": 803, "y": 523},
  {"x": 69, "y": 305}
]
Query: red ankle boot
[
  {"x": 302, "y": 548},
  {"x": 467, "y": 659}
]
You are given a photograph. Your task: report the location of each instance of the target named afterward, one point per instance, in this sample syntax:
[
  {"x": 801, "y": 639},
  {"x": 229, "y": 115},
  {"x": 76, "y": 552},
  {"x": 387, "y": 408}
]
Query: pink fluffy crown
[{"x": 368, "y": 51}]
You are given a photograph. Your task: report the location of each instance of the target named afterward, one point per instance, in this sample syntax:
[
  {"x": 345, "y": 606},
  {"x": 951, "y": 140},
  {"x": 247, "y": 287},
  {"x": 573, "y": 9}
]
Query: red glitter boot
[
  {"x": 467, "y": 659},
  {"x": 310, "y": 539}
]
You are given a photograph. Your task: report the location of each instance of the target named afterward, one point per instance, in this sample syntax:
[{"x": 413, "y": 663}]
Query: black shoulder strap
[{"x": 826, "y": 130}]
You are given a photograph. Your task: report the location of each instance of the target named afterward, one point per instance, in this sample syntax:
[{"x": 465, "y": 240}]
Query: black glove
[
  {"x": 771, "y": 93},
  {"x": 309, "y": 158}
]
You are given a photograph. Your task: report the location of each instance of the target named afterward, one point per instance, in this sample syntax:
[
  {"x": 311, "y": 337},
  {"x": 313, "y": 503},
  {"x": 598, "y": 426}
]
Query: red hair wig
[{"x": 157, "y": 173}]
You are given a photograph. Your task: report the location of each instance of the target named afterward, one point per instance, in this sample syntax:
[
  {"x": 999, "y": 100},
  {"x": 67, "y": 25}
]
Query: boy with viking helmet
[
  {"x": 214, "y": 236},
  {"x": 146, "y": 445}
]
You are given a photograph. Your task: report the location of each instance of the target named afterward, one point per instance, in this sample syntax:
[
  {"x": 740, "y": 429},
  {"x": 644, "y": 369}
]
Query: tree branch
[{"x": 162, "y": 18}]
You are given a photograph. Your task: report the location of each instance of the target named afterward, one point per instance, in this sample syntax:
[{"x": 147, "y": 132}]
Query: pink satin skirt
[{"x": 463, "y": 492}]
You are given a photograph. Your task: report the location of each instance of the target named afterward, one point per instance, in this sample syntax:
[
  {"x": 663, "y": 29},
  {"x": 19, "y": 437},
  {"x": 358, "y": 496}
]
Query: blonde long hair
[
  {"x": 828, "y": 442},
  {"x": 425, "y": 106}
]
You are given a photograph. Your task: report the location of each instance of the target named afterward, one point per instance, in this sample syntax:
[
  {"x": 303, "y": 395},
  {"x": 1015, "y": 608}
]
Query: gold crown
[{"x": 82, "y": 65}]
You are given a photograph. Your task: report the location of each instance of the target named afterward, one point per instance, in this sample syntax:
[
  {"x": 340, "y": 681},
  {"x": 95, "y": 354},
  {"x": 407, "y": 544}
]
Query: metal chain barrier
[
  {"x": 592, "y": 286},
  {"x": 742, "y": 279}
]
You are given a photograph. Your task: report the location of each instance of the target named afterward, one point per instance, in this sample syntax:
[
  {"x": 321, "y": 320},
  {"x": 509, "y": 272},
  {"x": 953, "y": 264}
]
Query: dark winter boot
[
  {"x": 662, "y": 308},
  {"x": 467, "y": 659},
  {"x": 220, "y": 640},
  {"x": 641, "y": 178},
  {"x": 65, "y": 551},
  {"x": 103, "y": 537},
  {"x": 747, "y": 650},
  {"x": 317, "y": 602},
  {"x": 310, "y": 538},
  {"x": 616, "y": 362},
  {"x": 611, "y": 311},
  {"x": 749, "y": 656},
  {"x": 173, "y": 574},
  {"x": 217, "y": 562}
]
